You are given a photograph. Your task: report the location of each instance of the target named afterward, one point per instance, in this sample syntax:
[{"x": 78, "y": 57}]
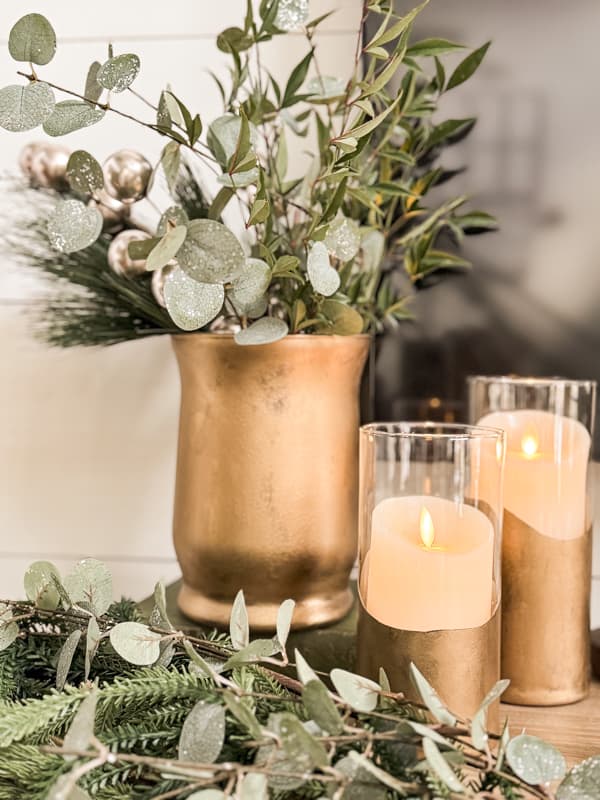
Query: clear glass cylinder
[{"x": 546, "y": 552}]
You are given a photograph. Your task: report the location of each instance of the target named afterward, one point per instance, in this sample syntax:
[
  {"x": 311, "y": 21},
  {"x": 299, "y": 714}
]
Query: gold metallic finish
[
  {"x": 545, "y": 615},
  {"x": 462, "y": 665},
  {"x": 267, "y": 475}
]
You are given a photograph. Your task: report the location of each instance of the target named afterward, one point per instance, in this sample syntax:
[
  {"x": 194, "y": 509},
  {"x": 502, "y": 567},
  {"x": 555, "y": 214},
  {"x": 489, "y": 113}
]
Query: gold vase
[{"x": 267, "y": 473}]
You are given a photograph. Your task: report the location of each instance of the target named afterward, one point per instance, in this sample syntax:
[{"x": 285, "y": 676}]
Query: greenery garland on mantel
[{"x": 97, "y": 702}]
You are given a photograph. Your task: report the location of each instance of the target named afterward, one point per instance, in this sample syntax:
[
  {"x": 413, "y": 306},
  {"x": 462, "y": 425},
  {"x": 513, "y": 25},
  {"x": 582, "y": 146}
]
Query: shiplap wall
[{"x": 87, "y": 439}]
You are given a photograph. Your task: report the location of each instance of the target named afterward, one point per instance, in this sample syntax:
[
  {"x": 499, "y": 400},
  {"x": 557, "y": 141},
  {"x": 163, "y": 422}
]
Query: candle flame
[
  {"x": 529, "y": 445},
  {"x": 426, "y": 528}
]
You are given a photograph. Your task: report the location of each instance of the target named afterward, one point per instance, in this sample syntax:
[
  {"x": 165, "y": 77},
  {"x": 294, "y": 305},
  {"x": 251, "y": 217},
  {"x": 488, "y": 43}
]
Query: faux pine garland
[{"x": 95, "y": 702}]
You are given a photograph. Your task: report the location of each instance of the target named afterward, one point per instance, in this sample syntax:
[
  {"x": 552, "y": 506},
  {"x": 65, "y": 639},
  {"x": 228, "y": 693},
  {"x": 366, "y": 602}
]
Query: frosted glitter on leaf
[
  {"x": 211, "y": 253},
  {"x": 263, "y": 331},
  {"x": 321, "y": 274},
  {"x": 222, "y": 138},
  {"x": 32, "y": 38},
  {"x": 71, "y": 115},
  {"x": 84, "y": 172},
  {"x": 192, "y": 304},
  {"x": 176, "y": 215},
  {"x": 73, "y": 226},
  {"x": 343, "y": 238},
  {"x": 118, "y": 73},
  {"x": 325, "y": 87},
  {"x": 250, "y": 287},
  {"x": 23, "y": 108},
  {"x": 291, "y": 14}
]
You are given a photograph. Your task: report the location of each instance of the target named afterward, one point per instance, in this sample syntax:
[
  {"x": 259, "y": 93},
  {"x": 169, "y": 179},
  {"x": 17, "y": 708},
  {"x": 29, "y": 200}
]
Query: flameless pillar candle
[{"x": 429, "y": 565}]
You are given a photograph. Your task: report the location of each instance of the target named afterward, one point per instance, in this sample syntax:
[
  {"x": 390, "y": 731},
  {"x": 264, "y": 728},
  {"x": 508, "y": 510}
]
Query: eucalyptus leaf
[
  {"x": 191, "y": 303},
  {"x": 118, "y": 73},
  {"x": 203, "y": 733},
  {"x": 90, "y": 585},
  {"x": 211, "y": 253},
  {"x": 9, "y": 630},
  {"x": 264, "y": 331},
  {"x": 285, "y": 614},
  {"x": 343, "y": 238},
  {"x": 84, "y": 172},
  {"x": 582, "y": 781},
  {"x": 253, "y": 786},
  {"x": 363, "y": 785},
  {"x": 242, "y": 714},
  {"x": 291, "y": 14},
  {"x": 321, "y": 708},
  {"x": 325, "y": 87},
  {"x": 535, "y": 761},
  {"x": 39, "y": 586},
  {"x": 239, "y": 627},
  {"x": 167, "y": 248},
  {"x": 303, "y": 669},
  {"x": 323, "y": 277},
  {"x": 363, "y": 762},
  {"x": 293, "y": 756},
  {"x": 32, "y": 38},
  {"x": 479, "y": 721},
  {"x": 430, "y": 697},
  {"x": 93, "y": 90},
  {"x": 65, "y": 658},
  {"x": 298, "y": 743},
  {"x": 253, "y": 652},
  {"x": 135, "y": 643},
  {"x": 251, "y": 285},
  {"x": 196, "y": 660},
  {"x": 360, "y": 693},
  {"x": 92, "y": 641},
  {"x": 345, "y": 320},
  {"x": 170, "y": 161},
  {"x": 429, "y": 733},
  {"x": 440, "y": 766},
  {"x": 160, "y": 606},
  {"x": 173, "y": 216},
  {"x": 71, "y": 115},
  {"x": 81, "y": 730},
  {"x": 73, "y": 226},
  {"x": 23, "y": 108},
  {"x": 373, "y": 249},
  {"x": 223, "y": 138}
]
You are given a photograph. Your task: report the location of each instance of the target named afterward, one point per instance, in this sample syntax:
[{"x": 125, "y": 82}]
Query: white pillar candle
[
  {"x": 429, "y": 565},
  {"x": 545, "y": 472}
]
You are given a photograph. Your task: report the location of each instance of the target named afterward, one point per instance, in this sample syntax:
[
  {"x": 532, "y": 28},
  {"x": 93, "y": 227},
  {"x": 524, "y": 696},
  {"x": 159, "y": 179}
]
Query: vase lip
[
  {"x": 290, "y": 336},
  {"x": 530, "y": 380},
  {"x": 431, "y": 430}
]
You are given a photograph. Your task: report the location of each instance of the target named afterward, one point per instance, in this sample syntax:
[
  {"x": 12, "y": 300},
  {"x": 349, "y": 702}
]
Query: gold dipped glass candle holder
[
  {"x": 429, "y": 567},
  {"x": 547, "y": 537}
]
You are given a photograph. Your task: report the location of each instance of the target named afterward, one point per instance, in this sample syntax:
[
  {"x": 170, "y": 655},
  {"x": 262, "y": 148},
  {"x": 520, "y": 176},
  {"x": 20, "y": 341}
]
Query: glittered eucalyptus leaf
[
  {"x": 23, "y": 108},
  {"x": 360, "y": 693},
  {"x": 298, "y": 743},
  {"x": 363, "y": 785},
  {"x": 325, "y": 88},
  {"x": 321, "y": 708},
  {"x": 9, "y": 630},
  {"x": 429, "y": 733},
  {"x": 65, "y": 658},
  {"x": 118, "y": 73},
  {"x": 243, "y": 714},
  {"x": 81, "y": 730},
  {"x": 39, "y": 585},
  {"x": 582, "y": 781},
  {"x": 343, "y": 238},
  {"x": 253, "y": 652},
  {"x": 253, "y": 786},
  {"x": 93, "y": 90},
  {"x": 239, "y": 627},
  {"x": 251, "y": 285},
  {"x": 285, "y": 614},
  {"x": 291, "y": 14},
  {"x": 211, "y": 253},
  {"x": 264, "y": 331},
  {"x": 373, "y": 249},
  {"x": 170, "y": 161},
  {"x": 32, "y": 38},
  {"x": 203, "y": 733},
  {"x": 173, "y": 216},
  {"x": 73, "y": 226},
  {"x": 535, "y": 761},
  {"x": 160, "y": 616},
  {"x": 90, "y": 586},
  {"x": 167, "y": 248},
  {"x": 135, "y": 643},
  {"x": 440, "y": 766},
  {"x": 479, "y": 721},
  {"x": 84, "y": 172},
  {"x": 71, "y": 115},
  {"x": 292, "y": 756},
  {"x": 223, "y": 138},
  {"x": 430, "y": 697},
  {"x": 384, "y": 777},
  {"x": 163, "y": 116},
  {"x": 502, "y": 745},
  {"x": 305, "y": 672},
  {"x": 344, "y": 320},
  {"x": 323, "y": 277},
  {"x": 191, "y": 303},
  {"x": 92, "y": 640}
]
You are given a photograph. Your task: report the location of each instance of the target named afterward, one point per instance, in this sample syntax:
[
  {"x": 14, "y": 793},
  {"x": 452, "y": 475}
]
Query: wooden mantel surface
[{"x": 573, "y": 729}]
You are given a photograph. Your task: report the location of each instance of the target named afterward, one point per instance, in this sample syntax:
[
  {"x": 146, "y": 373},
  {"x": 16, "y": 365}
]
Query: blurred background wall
[{"x": 88, "y": 437}]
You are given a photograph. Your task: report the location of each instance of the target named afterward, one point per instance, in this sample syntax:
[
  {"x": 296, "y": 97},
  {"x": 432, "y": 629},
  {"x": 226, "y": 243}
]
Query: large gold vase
[{"x": 267, "y": 472}]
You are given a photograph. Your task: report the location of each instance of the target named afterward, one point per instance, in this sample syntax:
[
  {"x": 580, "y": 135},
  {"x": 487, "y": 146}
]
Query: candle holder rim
[
  {"x": 532, "y": 380},
  {"x": 432, "y": 430}
]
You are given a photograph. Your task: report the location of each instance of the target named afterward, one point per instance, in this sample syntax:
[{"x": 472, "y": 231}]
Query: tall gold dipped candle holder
[
  {"x": 429, "y": 576},
  {"x": 547, "y": 537}
]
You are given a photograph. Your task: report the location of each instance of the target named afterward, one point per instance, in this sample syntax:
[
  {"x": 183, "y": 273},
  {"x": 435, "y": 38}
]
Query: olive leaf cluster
[
  {"x": 144, "y": 710},
  {"x": 322, "y": 250}
]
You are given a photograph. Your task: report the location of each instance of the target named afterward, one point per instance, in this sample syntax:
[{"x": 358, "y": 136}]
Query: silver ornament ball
[
  {"x": 114, "y": 213},
  {"x": 45, "y": 164},
  {"x": 127, "y": 175},
  {"x": 118, "y": 257},
  {"x": 157, "y": 285}
]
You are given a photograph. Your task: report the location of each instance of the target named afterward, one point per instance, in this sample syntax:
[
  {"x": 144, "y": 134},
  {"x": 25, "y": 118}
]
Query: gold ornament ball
[
  {"x": 127, "y": 175},
  {"x": 157, "y": 285},
  {"x": 114, "y": 213},
  {"x": 118, "y": 257},
  {"x": 45, "y": 164}
]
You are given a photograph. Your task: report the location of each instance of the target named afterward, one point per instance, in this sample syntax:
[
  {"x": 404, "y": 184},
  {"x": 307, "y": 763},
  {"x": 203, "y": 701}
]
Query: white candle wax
[
  {"x": 444, "y": 583},
  {"x": 546, "y": 469}
]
